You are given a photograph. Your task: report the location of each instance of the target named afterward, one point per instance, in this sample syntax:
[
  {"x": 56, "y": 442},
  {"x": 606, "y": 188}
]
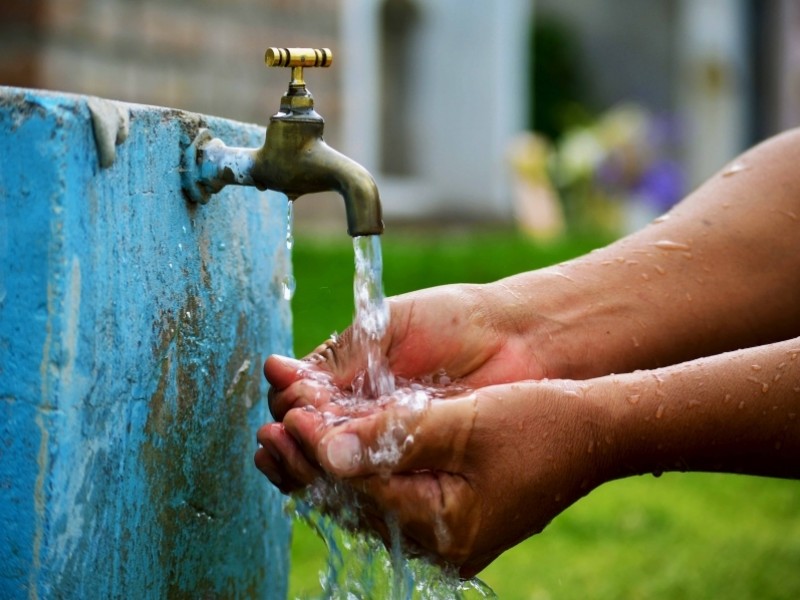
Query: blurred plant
[
  {"x": 612, "y": 174},
  {"x": 536, "y": 205}
]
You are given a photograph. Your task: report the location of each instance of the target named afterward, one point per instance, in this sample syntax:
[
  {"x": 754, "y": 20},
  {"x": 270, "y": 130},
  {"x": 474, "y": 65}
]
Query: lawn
[{"x": 677, "y": 536}]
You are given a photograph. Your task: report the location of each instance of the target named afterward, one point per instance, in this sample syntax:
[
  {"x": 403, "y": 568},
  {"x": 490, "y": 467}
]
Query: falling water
[
  {"x": 371, "y": 318},
  {"x": 289, "y": 283},
  {"x": 358, "y": 565}
]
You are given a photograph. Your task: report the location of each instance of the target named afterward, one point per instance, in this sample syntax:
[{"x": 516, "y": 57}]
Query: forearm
[
  {"x": 720, "y": 272},
  {"x": 737, "y": 412}
]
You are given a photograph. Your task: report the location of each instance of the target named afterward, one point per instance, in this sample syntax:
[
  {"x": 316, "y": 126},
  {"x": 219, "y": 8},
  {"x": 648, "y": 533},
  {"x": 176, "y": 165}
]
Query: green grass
[{"x": 678, "y": 536}]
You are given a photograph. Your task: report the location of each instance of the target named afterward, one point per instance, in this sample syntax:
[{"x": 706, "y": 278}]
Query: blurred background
[
  {"x": 633, "y": 103},
  {"x": 504, "y": 136}
]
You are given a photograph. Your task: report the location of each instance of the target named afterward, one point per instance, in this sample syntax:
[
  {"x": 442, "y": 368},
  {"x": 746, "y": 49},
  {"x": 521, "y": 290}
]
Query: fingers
[
  {"x": 305, "y": 392},
  {"x": 392, "y": 440},
  {"x": 282, "y": 371},
  {"x": 281, "y": 460}
]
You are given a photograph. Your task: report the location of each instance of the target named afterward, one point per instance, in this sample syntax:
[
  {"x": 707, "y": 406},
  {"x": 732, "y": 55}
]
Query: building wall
[
  {"x": 196, "y": 55},
  {"x": 466, "y": 92},
  {"x": 627, "y": 48}
]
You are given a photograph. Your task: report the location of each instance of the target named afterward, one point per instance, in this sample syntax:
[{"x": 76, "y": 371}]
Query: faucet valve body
[{"x": 294, "y": 159}]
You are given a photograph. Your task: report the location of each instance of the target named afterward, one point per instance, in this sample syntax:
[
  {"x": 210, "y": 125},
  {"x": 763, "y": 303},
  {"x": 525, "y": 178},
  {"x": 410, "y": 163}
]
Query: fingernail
[{"x": 344, "y": 451}]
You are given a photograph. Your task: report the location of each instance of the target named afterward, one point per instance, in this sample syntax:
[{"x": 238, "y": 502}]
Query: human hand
[
  {"x": 469, "y": 476},
  {"x": 461, "y": 331}
]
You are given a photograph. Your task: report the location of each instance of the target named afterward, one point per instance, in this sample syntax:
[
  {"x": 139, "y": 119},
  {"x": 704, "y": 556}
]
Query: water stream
[
  {"x": 371, "y": 318},
  {"x": 358, "y": 565}
]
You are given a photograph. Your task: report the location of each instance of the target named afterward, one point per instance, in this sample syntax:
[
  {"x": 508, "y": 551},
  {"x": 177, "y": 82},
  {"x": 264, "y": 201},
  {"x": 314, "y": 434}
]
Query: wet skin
[{"x": 494, "y": 466}]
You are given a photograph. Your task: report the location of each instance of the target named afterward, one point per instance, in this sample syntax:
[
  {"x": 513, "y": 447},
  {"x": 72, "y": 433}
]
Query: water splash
[{"x": 358, "y": 565}]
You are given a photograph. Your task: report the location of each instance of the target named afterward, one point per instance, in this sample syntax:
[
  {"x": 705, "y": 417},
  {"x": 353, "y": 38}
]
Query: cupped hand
[
  {"x": 460, "y": 331},
  {"x": 469, "y": 476},
  {"x": 463, "y": 332}
]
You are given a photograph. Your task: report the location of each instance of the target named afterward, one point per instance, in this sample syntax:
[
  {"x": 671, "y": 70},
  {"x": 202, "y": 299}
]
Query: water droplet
[
  {"x": 188, "y": 315},
  {"x": 734, "y": 168},
  {"x": 633, "y": 398},
  {"x": 660, "y": 269},
  {"x": 764, "y": 388},
  {"x": 184, "y": 228},
  {"x": 289, "y": 287},
  {"x": 170, "y": 265},
  {"x": 221, "y": 246},
  {"x": 180, "y": 247},
  {"x": 669, "y": 245},
  {"x": 741, "y": 405},
  {"x": 660, "y": 411},
  {"x": 756, "y": 367},
  {"x": 727, "y": 398},
  {"x": 693, "y": 403},
  {"x": 661, "y": 219},
  {"x": 645, "y": 276}
]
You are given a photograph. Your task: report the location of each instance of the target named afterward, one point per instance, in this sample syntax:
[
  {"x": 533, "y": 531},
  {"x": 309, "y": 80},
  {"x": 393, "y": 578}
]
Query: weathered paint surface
[{"x": 133, "y": 327}]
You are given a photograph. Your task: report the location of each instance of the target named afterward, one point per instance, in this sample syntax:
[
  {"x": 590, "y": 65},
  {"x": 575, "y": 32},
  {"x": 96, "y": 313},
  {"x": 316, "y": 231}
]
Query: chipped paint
[{"x": 132, "y": 332}]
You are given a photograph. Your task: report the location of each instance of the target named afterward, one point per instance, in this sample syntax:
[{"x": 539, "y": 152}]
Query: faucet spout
[
  {"x": 296, "y": 160},
  {"x": 361, "y": 198}
]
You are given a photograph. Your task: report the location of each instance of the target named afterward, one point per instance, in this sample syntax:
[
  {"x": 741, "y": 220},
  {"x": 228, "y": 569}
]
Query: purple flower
[{"x": 662, "y": 184}]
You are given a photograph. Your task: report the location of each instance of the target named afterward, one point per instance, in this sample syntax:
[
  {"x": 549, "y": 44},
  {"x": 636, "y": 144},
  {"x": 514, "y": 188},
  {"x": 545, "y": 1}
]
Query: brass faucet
[{"x": 294, "y": 159}]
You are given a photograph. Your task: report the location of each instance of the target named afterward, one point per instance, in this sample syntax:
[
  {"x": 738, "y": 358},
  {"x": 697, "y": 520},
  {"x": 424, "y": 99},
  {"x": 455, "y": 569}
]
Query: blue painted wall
[{"x": 133, "y": 327}]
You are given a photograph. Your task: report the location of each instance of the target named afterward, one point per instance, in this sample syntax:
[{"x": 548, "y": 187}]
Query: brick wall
[
  {"x": 201, "y": 55},
  {"x": 20, "y": 27}
]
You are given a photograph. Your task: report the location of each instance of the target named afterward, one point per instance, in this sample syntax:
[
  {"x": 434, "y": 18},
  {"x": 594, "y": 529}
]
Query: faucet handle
[{"x": 298, "y": 57}]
